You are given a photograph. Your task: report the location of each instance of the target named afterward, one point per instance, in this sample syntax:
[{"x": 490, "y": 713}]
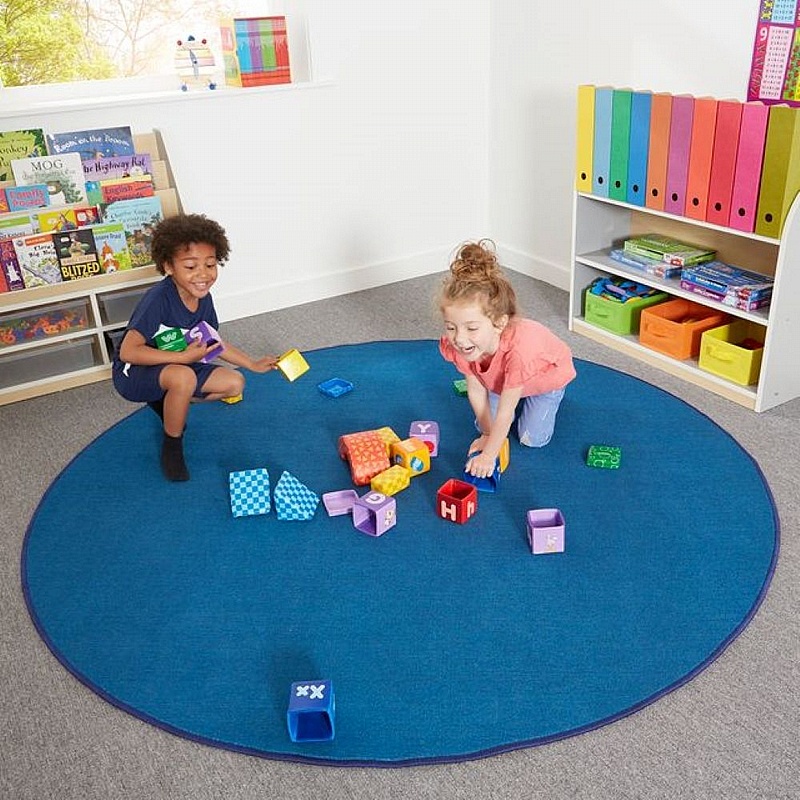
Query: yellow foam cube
[
  {"x": 391, "y": 481},
  {"x": 504, "y": 456},
  {"x": 292, "y": 364},
  {"x": 236, "y": 398},
  {"x": 413, "y": 454},
  {"x": 388, "y": 437}
]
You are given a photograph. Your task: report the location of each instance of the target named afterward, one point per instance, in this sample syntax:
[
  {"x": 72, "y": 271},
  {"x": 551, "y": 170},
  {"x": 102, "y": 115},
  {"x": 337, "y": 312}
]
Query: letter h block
[
  {"x": 412, "y": 454},
  {"x": 426, "y": 431},
  {"x": 456, "y": 500}
]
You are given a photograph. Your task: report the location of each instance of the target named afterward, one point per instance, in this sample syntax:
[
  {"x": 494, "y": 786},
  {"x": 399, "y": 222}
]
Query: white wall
[
  {"x": 538, "y": 60},
  {"x": 372, "y": 178},
  {"x": 442, "y": 122}
]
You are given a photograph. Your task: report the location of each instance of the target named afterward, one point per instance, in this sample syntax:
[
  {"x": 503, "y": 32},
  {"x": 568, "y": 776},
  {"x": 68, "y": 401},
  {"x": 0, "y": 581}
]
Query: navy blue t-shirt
[{"x": 161, "y": 308}]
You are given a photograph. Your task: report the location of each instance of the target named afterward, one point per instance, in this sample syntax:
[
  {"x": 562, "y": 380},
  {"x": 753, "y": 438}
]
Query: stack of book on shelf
[
  {"x": 729, "y": 285},
  {"x": 75, "y": 204},
  {"x": 661, "y": 256},
  {"x": 255, "y": 51}
]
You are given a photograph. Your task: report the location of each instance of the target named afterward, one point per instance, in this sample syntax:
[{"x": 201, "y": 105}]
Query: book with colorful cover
[
  {"x": 38, "y": 260},
  {"x": 21, "y": 198},
  {"x": 58, "y": 219},
  {"x": 77, "y": 254},
  {"x": 92, "y": 143},
  {"x": 126, "y": 188},
  {"x": 9, "y": 266},
  {"x": 650, "y": 266},
  {"x": 112, "y": 246},
  {"x": 25, "y": 143},
  {"x": 670, "y": 250},
  {"x": 87, "y": 215},
  {"x": 3, "y": 201},
  {"x": 127, "y": 166},
  {"x": 138, "y": 217},
  {"x": 63, "y": 175},
  {"x": 16, "y": 225}
]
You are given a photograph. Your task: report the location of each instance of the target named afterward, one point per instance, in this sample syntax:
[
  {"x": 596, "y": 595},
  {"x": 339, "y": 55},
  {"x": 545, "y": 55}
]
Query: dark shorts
[{"x": 140, "y": 384}]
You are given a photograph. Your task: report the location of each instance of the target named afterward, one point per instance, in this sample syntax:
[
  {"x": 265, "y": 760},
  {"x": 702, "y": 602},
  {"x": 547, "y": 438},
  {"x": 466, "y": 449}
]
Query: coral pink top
[{"x": 529, "y": 355}]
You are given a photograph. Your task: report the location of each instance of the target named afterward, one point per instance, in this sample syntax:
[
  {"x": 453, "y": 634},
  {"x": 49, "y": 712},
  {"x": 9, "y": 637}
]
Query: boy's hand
[
  {"x": 194, "y": 352},
  {"x": 265, "y": 364}
]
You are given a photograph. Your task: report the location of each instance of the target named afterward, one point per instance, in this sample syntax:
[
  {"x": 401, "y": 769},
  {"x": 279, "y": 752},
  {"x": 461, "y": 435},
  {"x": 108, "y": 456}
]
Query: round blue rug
[{"x": 443, "y": 641}]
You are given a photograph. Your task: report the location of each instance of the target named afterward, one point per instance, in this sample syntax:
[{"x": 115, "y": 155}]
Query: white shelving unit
[
  {"x": 53, "y": 359},
  {"x": 600, "y": 223}
]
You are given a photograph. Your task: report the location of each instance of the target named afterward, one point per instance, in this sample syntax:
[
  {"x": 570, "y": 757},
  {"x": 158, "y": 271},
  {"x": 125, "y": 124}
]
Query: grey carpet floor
[{"x": 729, "y": 734}]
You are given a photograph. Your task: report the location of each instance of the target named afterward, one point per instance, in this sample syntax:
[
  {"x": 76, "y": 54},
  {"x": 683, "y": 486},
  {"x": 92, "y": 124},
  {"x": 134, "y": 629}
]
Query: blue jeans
[{"x": 535, "y": 416}]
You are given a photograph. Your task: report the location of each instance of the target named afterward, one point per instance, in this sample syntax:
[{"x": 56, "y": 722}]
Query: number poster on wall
[{"x": 775, "y": 69}]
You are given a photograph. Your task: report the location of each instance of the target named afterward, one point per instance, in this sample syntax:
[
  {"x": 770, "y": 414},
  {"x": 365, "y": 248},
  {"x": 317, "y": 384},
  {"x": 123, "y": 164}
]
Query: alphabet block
[
  {"x": 310, "y": 717},
  {"x": 487, "y": 484},
  {"x": 605, "y": 456},
  {"x": 374, "y": 513},
  {"x": 204, "y": 333},
  {"x": 413, "y": 455},
  {"x": 545, "y": 530},
  {"x": 456, "y": 501},
  {"x": 391, "y": 481},
  {"x": 426, "y": 431},
  {"x": 292, "y": 364}
]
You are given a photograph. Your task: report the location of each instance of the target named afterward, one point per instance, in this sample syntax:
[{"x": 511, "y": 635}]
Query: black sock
[
  {"x": 172, "y": 462},
  {"x": 158, "y": 407}
]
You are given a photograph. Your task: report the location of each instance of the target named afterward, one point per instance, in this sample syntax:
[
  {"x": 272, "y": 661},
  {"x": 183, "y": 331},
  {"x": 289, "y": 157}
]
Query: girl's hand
[
  {"x": 478, "y": 445},
  {"x": 481, "y": 465},
  {"x": 264, "y": 364}
]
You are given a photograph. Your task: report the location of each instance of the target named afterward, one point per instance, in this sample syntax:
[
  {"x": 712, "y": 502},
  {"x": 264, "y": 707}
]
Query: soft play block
[
  {"x": 456, "y": 500},
  {"x": 293, "y": 499},
  {"x": 504, "y": 456},
  {"x": 366, "y": 453},
  {"x": 249, "y": 491},
  {"x": 545, "y": 530},
  {"x": 310, "y": 716},
  {"x": 339, "y": 502},
  {"x": 374, "y": 513},
  {"x": 487, "y": 484},
  {"x": 292, "y": 364},
  {"x": 460, "y": 387},
  {"x": 205, "y": 334},
  {"x": 412, "y": 454},
  {"x": 426, "y": 431},
  {"x": 391, "y": 481},
  {"x": 605, "y": 456}
]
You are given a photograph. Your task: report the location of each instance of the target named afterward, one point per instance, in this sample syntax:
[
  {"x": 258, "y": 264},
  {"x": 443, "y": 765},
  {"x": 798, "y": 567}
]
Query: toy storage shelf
[
  {"x": 599, "y": 224},
  {"x": 62, "y": 358}
]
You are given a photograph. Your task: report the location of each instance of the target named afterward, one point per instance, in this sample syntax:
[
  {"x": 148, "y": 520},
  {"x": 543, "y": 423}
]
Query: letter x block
[
  {"x": 426, "y": 431},
  {"x": 413, "y": 455},
  {"x": 310, "y": 717},
  {"x": 456, "y": 501},
  {"x": 374, "y": 513}
]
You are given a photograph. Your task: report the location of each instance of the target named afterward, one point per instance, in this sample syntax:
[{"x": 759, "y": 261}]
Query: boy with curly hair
[{"x": 187, "y": 249}]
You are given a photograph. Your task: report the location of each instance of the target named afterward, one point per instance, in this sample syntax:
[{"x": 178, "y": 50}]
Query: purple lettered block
[
  {"x": 427, "y": 431},
  {"x": 203, "y": 332},
  {"x": 545, "y": 530},
  {"x": 374, "y": 513}
]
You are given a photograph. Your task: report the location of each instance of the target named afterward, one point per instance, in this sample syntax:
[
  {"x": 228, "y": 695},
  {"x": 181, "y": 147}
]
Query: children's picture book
[
  {"x": 138, "y": 216},
  {"x": 21, "y": 198},
  {"x": 112, "y": 246},
  {"x": 126, "y": 188},
  {"x": 63, "y": 175},
  {"x": 3, "y": 201},
  {"x": 9, "y": 266},
  {"x": 97, "y": 169},
  {"x": 16, "y": 225},
  {"x": 92, "y": 143},
  {"x": 37, "y": 260},
  {"x": 86, "y": 215},
  {"x": 58, "y": 219},
  {"x": 25, "y": 143},
  {"x": 77, "y": 254}
]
